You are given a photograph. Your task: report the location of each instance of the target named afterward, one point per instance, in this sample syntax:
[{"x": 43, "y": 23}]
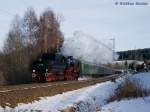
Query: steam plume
[{"x": 86, "y": 48}]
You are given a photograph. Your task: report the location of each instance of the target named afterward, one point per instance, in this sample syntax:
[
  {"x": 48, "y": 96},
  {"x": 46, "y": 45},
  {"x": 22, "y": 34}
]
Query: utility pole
[
  {"x": 135, "y": 57},
  {"x": 113, "y": 49}
]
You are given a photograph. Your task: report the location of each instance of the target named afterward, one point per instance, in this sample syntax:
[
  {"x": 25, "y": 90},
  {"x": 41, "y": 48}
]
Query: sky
[{"x": 102, "y": 19}]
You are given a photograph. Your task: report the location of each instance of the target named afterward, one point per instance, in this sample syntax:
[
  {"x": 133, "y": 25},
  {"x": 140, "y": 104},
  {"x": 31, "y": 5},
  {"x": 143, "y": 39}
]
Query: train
[{"x": 57, "y": 67}]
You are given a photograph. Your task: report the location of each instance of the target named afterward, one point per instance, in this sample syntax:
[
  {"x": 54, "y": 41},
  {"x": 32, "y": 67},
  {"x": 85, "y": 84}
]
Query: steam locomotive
[{"x": 55, "y": 67}]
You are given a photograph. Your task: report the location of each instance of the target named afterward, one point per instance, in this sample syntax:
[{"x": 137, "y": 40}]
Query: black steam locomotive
[{"x": 55, "y": 67}]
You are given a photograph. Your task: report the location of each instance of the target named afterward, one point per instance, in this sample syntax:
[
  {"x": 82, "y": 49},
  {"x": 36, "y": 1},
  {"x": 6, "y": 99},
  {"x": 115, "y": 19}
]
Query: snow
[
  {"x": 143, "y": 78},
  {"x": 91, "y": 99},
  {"x": 133, "y": 105},
  {"x": 84, "y": 78},
  {"x": 128, "y": 61}
]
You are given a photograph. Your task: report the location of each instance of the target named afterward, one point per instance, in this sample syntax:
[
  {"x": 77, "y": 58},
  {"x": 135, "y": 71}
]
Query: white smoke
[{"x": 86, "y": 48}]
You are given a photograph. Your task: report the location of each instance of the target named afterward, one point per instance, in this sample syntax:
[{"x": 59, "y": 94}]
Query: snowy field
[
  {"x": 133, "y": 105},
  {"x": 91, "y": 99}
]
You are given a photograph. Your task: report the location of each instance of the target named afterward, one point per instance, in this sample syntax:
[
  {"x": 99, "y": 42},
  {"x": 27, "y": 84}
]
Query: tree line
[
  {"x": 138, "y": 54},
  {"x": 28, "y": 38}
]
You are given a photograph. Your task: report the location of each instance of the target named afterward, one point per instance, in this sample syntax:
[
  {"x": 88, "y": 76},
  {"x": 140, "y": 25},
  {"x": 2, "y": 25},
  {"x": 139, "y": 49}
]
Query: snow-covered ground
[
  {"x": 132, "y": 105},
  {"x": 141, "y": 104},
  {"x": 91, "y": 99},
  {"x": 128, "y": 61},
  {"x": 84, "y": 78},
  {"x": 143, "y": 78}
]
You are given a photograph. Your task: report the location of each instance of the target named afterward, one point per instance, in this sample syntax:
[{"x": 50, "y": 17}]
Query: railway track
[
  {"x": 5, "y": 89},
  {"x": 12, "y": 95}
]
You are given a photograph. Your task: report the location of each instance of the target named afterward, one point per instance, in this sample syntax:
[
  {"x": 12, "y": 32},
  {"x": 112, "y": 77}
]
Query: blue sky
[{"x": 129, "y": 25}]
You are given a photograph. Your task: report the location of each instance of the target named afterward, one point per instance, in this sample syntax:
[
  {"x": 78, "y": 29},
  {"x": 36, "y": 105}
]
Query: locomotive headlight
[
  {"x": 33, "y": 74},
  {"x": 33, "y": 71}
]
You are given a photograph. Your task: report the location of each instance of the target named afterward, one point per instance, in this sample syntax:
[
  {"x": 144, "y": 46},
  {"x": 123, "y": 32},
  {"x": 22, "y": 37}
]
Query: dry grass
[
  {"x": 81, "y": 106},
  {"x": 129, "y": 89},
  {"x": 68, "y": 109}
]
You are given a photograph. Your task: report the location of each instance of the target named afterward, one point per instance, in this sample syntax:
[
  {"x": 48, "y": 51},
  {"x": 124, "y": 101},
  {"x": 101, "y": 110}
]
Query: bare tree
[
  {"x": 27, "y": 39},
  {"x": 14, "y": 40},
  {"x": 30, "y": 30},
  {"x": 30, "y": 27},
  {"x": 50, "y": 34},
  {"x": 13, "y": 52}
]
